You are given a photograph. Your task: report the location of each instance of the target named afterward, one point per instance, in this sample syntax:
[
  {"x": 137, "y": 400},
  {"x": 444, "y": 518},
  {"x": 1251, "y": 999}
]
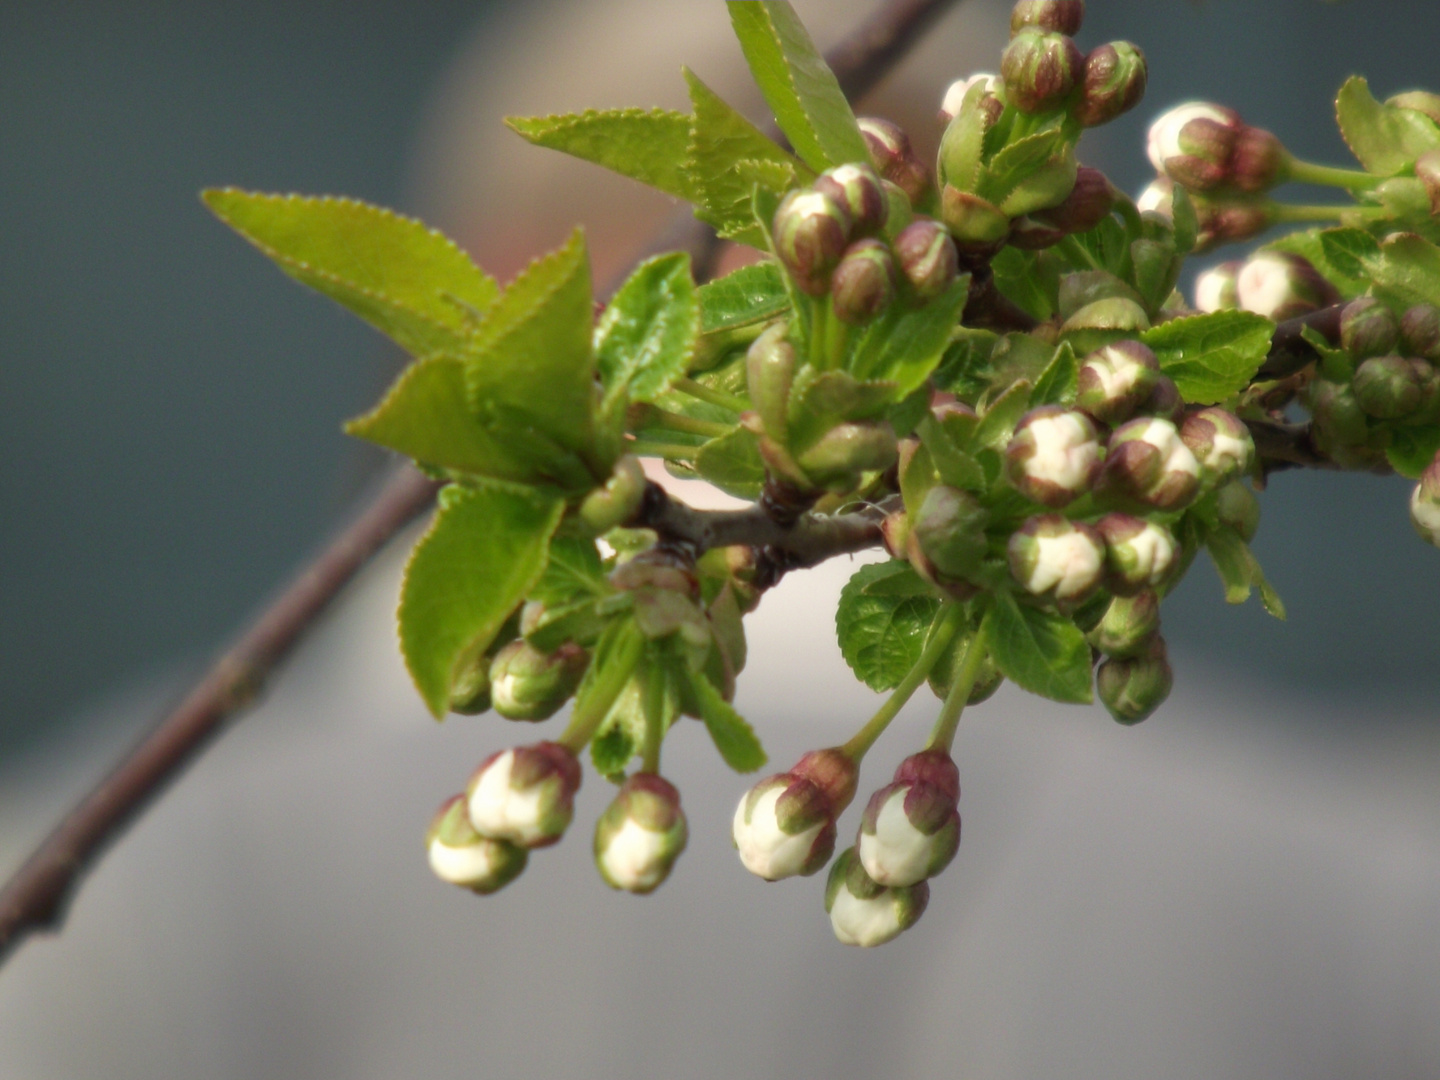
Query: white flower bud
[
  {"x": 784, "y": 827},
  {"x": 1425, "y": 504},
  {"x": 1215, "y": 289},
  {"x": 1139, "y": 554},
  {"x": 1053, "y": 456},
  {"x": 1054, "y": 557},
  {"x": 640, "y": 835},
  {"x": 866, "y": 913},
  {"x": 1149, "y": 464},
  {"x": 1158, "y": 198},
  {"x": 1281, "y": 286},
  {"x": 955, "y": 93},
  {"x": 1220, "y": 441},
  {"x": 461, "y": 856},
  {"x": 525, "y": 795},
  {"x": 909, "y": 832},
  {"x": 1193, "y": 144}
]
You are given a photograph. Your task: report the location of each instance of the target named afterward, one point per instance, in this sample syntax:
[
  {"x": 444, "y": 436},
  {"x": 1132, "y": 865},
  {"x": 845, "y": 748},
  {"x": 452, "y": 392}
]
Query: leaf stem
[
  {"x": 1307, "y": 172},
  {"x": 616, "y": 665},
  {"x": 711, "y": 396},
  {"x": 689, "y": 425},
  {"x": 943, "y": 736}
]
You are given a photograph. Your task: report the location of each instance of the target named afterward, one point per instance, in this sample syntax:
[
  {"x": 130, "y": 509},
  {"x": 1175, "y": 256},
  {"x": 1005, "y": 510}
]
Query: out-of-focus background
[{"x": 1247, "y": 885}]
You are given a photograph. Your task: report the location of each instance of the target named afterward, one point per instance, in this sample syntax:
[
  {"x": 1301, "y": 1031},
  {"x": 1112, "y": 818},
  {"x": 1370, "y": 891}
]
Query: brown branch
[
  {"x": 1281, "y": 446},
  {"x": 1290, "y": 352}
]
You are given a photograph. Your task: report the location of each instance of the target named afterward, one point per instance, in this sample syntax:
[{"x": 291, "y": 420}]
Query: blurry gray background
[{"x": 169, "y": 412}]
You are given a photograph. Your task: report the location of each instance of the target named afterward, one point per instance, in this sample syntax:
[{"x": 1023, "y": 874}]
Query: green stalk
[
  {"x": 598, "y": 698},
  {"x": 943, "y": 737},
  {"x": 654, "y": 706},
  {"x": 710, "y": 395},
  {"x": 689, "y": 425},
  {"x": 1282, "y": 212},
  {"x": 1306, "y": 172}
]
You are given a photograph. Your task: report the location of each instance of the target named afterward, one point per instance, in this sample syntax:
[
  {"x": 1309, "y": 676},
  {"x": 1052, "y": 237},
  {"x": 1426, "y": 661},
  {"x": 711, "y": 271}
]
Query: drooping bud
[
  {"x": 1115, "y": 380},
  {"x": 950, "y": 529},
  {"x": 909, "y": 832},
  {"x": 1339, "y": 419},
  {"x": 1237, "y": 507},
  {"x": 1139, "y": 554},
  {"x": 1368, "y": 328},
  {"x": 1425, "y": 504},
  {"x": 856, "y": 187},
  {"x": 894, "y": 158},
  {"x": 955, "y": 94},
  {"x": 1192, "y": 144},
  {"x": 1040, "y": 69},
  {"x": 1164, "y": 401},
  {"x": 1133, "y": 689},
  {"x": 1149, "y": 464},
  {"x": 1220, "y": 441},
  {"x": 865, "y": 913},
  {"x": 944, "y": 673},
  {"x": 863, "y": 284},
  {"x": 640, "y": 834},
  {"x": 525, "y": 795},
  {"x": 1054, "y": 455},
  {"x": 1216, "y": 289},
  {"x": 527, "y": 684},
  {"x": 1114, "y": 82},
  {"x": 1056, "y": 16},
  {"x": 1390, "y": 387},
  {"x": 1258, "y": 162},
  {"x": 769, "y": 374},
  {"x": 974, "y": 221},
  {"x": 616, "y": 502},
  {"x": 1089, "y": 203},
  {"x": 1029, "y": 233},
  {"x": 927, "y": 257},
  {"x": 1128, "y": 625},
  {"x": 1280, "y": 286},
  {"x": 1056, "y": 558},
  {"x": 783, "y": 827},
  {"x": 811, "y": 231},
  {"x": 460, "y": 855},
  {"x": 1420, "y": 332},
  {"x": 834, "y": 772}
]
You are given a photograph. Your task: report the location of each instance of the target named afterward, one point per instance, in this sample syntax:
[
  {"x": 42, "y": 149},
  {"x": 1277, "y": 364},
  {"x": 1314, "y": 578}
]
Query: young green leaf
[
  {"x": 881, "y": 636},
  {"x": 1043, "y": 653},
  {"x": 819, "y": 402},
  {"x": 649, "y": 145},
  {"x": 1385, "y": 139},
  {"x": 484, "y": 552},
  {"x": 897, "y": 578},
  {"x": 1060, "y": 381},
  {"x": 1229, "y": 554},
  {"x": 620, "y": 734},
  {"x": 1211, "y": 357},
  {"x": 904, "y": 346},
  {"x": 733, "y": 737},
  {"x": 998, "y": 424},
  {"x": 1339, "y": 255},
  {"x": 1413, "y": 449},
  {"x": 403, "y": 278},
  {"x": 733, "y": 464},
  {"x": 1020, "y": 276},
  {"x": 1185, "y": 223},
  {"x": 954, "y": 464},
  {"x": 1406, "y": 271},
  {"x": 646, "y": 336},
  {"x": 753, "y": 294},
  {"x": 573, "y": 571},
  {"x": 798, "y": 85}
]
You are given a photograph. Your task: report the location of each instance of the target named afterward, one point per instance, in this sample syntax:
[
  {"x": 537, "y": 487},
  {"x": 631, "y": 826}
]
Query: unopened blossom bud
[
  {"x": 1115, "y": 380},
  {"x": 1149, "y": 464},
  {"x": 1030, "y": 233},
  {"x": 950, "y": 528},
  {"x": 1056, "y": 558},
  {"x": 1056, "y": 16},
  {"x": 1259, "y": 161},
  {"x": 525, "y": 795},
  {"x": 1420, "y": 332},
  {"x": 1164, "y": 401},
  {"x": 1089, "y": 203},
  {"x": 527, "y": 684},
  {"x": 863, "y": 285},
  {"x": 1424, "y": 102},
  {"x": 1040, "y": 69},
  {"x": 1053, "y": 456},
  {"x": 943, "y": 674},
  {"x": 1084, "y": 287},
  {"x": 470, "y": 692},
  {"x": 1216, "y": 289},
  {"x": 769, "y": 373},
  {"x": 894, "y": 158},
  {"x": 1339, "y": 419},
  {"x": 1133, "y": 689},
  {"x": 1158, "y": 198},
  {"x": 856, "y": 187},
  {"x": 1427, "y": 171},
  {"x": 909, "y": 832},
  {"x": 783, "y": 827},
  {"x": 1390, "y": 387},
  {"x": 973, "y": 221},
  {"x": 1220, "y": 442},
  {"x": 1425, "y": 504},
  {"x": 927, "y": 257},
  {"x": 957, "y": 91},
  {"x": 1237, "y": 507},
  {"x": 834, "y": 772},
  {"x": 1113, "y": 83},
  {"x": 460, "y": 855},
  {"x": 865, "y": 913},
  {"x": 1128, "y": 625},
  {"x": 1280, "y": 286},
  {"x": 1368, "y": 328},
  {"x": 1231, "y": 219},
  {"x": 640, "y": 834},
  {"x": 1139, "y": 554},
  {"x": 811, "y": 232},
  {"x": 1192, "y": 144}
]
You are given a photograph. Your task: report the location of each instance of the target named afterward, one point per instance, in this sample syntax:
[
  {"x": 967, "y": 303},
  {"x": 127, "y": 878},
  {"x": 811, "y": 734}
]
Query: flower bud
[
  {"x": 834, "y": 772},
  {"x": 783, "y": 827},
  {"x": 1030, "y": 233},
  {"x": 1258, "y": 162},
  {"x": 1216, "y": 289},
  {"x": 470, "y": 692},
  {"x": 1056, "y": 16},
  {"x": 1425, "y": 504},
  {"x": 1421, "y": 101},
  {"x": 847, "y": 450},
  {"x": 1220, "y": 442},
  {"x": 640, "y": 834},
  {"x": 1089, "y": 203},
  {"x": 1113, "y": 83},
  {"x": 973, "y": 221},
  {"x": 1228, "y": 221},
  {"x": 1115, "y": 380},
  {"x": 864, "y": 283},
  {"x": 856, "y": 188},
  {"x": 987, "y": 679},
  {"x": 616, "y": 502},
  {"x": 461, "y": 856},
  {"x": 1133, "y": 689},
  {"x": 1040, "y": 70},
  {"x": 1056, "y": 558},
  {"x": 909, "y": 832},
  {"x": 1149, "y": 464},
  {"x": 1420, "y": 332},
  {"x": 1427, "y": 171},
  {"x": 525, "y": 795},
  {"x": 927, "y": 257},
  {"x": 769, "y": 374},
  {"x": 527, "y": 684},
  {"x": 866, "y": 913},
  {"x": 1139, "y": 554},
  {"x": 1164, "y": 401},
  {"x": 811, "y": 232},
  {"x": 894, "y": 158},
  {"x": 1368, "y": 328},
  {"x": 1128, "y": 625},
  {"x": 1158, "y": 198},
  {"x": 1339, "y": 419},
  {"x": 1192, "y": 144},
  {"x": 950, "y": 529},
  {"x": 1237, "y": 507},
  {"x": 1390, "y": 387},
  {"x": 1053, "y": 456},
  {"x": 1282, "y": 286},
  {"x": 956, "y": 92}
]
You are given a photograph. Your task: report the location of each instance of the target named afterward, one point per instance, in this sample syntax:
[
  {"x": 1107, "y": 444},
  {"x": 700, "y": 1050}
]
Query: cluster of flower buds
[
  {"x": 896, "y": 161},
  {"x": 1221, "y": 217},
  {"x": 1207, "y": 148},
  {"x": 1042, "y": 70},
  {"x": 1276, "y": 284},
  {"x": 785, "y": 825}
]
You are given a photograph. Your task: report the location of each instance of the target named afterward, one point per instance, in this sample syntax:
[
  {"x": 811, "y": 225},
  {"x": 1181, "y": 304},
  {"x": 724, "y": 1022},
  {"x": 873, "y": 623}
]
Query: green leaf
[
  {"x": 1385, "y": 139},
  {"x": 574, "y": 570},
  {"x": 733, "y": 737},
  {"x": 904, "y": 346},
  {"x": 1228, "y": 553},
  {"x": 1059, "y": 383},
  {"x": 484, "y": 552},
  {"x": 1406, "y": 272},
  {"x": 646, "y": 336},
  {"x": 753, "y": 294},
  {"x": 967, "y": 369},
  {"x": 1184, "y": 221},
  {"x": 1211, "y": 357},
  {"x": 1019, "y": 278},
  {"x": 646, "y": 145},
  {"x": 998, "y": 424},
  {"x": 798, "y": 85},
  {"x": 403, "y": 278},
  {"x": 820, "y": 401},
  {"x": 620, "y": 734},
  {"x": 1413, "y": 449},
  {"x": 1040, "y": 652},
  {"x": 881, "y": 636},
  {"x": 733, "y": 464},
  {"x": 952, "y": 462},
  {"x": 1339, "y": 255},
  {"x": 897, "y": 578}
]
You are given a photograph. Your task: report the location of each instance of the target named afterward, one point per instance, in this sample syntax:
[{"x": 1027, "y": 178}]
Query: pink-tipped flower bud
[
  {"x": 640, "y": 834},
  {"x": 1040, "y": 69},
  {"x": 1054, "y": 455},
  {"x": 1056, "y": 16},
  {"x": 1258, "y": 162},
  {"x": 863, "y": 285},
  {"x": 1149, "y": 464},
  {"x": 1237, "y": 507},
  {"x": 950, "y": 529},
  {"x": 894, "y": 158},
  {"x": 784, "y": 827},
  {"x": 1217, "y": 289},
  {"x": 956, "y": 92},
  {"x": 1057, "y": 559},
  {"x": 1115, "y": 380},
  {"x": 1425, "y": 504},
  {"x": 1128, "y": 625},
  {"x": 1139, "y": 554},
  {"x": 527, "y": 684},
  {"x": 910, "y": 830},
  {"x": 1133, "y": 689},
  {"x": 1368, "y": 328},
  {"x": 1231, "y": 220},
  {"x": 525, "y": 795},
  {"x": 1164, "y": 401},
  {"x": 1280, "y": 286},
  {"x": 1391, "y": 387},
  {"x": 1420, "y": 332},
  {"x": 1427, "y": 171},
  {"x": 865, "y": 913},
  {"x": 1339, "y": 419},
  {"x": 461, "y": 856},
  {"x": 927, "y": 257},
  {"x": 857, "y": 188},
  {"x": 1089, "y": 203},
  {"x": 616, "y": 502},
  {"x": 1113, "y": 83},
  {"x": 811, "y": 232},
  {"x": 1192, "y": 144},
  {"x": 1220, "y": 441}
]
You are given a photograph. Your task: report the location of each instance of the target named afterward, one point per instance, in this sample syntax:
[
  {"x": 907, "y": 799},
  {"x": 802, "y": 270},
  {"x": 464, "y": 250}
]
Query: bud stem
[
  {"x": 1281, "y": 212},
  {"x": 710, "y": 395},
  {"x": 612, "y": 669},
  {"x": 1306, "y": 172},
  {"x": 943, "y": 737},
  {"x": 940, "y": 638},
  {"x": 653, "y": 702}
]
